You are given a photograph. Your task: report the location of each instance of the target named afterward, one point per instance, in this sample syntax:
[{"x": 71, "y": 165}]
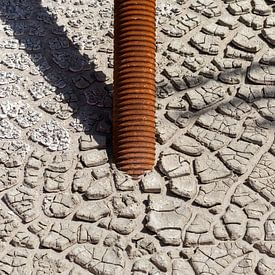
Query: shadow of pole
[{"x": 78, "y": 83}]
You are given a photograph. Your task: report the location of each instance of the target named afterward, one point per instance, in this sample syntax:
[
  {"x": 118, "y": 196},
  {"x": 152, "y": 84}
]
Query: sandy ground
[{"x": 207, "y": 208}]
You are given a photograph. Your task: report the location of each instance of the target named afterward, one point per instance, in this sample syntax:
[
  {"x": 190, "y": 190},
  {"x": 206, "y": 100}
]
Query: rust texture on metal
[{"x": 134, "y": 85}]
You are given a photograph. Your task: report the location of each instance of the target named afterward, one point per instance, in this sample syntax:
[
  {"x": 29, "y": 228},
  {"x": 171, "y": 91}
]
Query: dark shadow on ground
[{"x": 76, "y": 78}]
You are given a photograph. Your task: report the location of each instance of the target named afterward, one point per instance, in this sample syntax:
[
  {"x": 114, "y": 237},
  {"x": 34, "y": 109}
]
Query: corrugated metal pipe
[{"x": 134, "y": 93}]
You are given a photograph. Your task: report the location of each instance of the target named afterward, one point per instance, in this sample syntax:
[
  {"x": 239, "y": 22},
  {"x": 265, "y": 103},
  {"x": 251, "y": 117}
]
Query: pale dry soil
[{"x": 208, "y": 207}]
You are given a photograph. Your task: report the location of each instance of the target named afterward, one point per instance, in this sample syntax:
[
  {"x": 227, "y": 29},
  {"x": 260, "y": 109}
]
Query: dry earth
[{"x": 209, "y": 206}]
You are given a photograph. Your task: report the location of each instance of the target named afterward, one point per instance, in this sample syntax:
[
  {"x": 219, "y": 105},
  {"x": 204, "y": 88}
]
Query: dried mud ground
[{"x": 208, "y": 208}]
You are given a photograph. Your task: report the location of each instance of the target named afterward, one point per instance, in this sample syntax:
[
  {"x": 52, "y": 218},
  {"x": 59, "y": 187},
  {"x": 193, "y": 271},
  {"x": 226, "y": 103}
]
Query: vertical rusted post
[{"x": 134, "y": 86}]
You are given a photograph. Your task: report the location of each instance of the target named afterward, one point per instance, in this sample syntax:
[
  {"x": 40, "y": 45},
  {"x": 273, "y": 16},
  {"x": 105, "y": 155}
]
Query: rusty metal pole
[{"x": 134, "y": 86}]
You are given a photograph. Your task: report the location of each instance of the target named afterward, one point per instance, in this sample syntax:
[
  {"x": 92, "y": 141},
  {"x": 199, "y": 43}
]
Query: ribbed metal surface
[{"x": 134, "y": 86}]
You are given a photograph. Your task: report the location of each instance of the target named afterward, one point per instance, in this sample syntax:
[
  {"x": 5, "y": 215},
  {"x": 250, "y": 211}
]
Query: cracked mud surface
[{"x": 208, "y": 208}]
